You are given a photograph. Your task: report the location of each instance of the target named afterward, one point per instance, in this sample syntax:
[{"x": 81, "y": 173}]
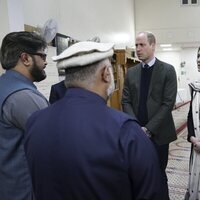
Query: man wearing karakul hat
[{"x": 79, "y": 148}]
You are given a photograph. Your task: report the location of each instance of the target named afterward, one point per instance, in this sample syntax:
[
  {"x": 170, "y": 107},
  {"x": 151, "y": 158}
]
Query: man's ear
[
  {"x": 105, "y": 74},
  {"x": 25, "y": 59}
]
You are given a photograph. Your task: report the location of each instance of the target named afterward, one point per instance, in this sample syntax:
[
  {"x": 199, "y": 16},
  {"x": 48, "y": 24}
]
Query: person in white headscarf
[{"x": 193, "y": 124}]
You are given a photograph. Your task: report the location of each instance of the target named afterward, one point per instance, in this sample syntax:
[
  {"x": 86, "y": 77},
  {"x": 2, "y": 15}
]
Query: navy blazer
[
  {"x": 79, "y": 148},
  {"x": 57, "y": 92}
]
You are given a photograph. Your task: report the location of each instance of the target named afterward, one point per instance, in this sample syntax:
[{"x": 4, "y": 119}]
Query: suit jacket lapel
[
  {"x": 138, "y": 77},
  {"x": 155, "y": 73}
]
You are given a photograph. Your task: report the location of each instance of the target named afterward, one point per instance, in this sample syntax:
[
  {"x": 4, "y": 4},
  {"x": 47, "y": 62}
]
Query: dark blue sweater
[{"x": 144, "y": 89}]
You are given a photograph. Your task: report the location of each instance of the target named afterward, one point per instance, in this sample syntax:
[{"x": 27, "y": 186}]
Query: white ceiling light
[
  {"x": 167, "y": 49},
  {"x": 165, "y": 45}
]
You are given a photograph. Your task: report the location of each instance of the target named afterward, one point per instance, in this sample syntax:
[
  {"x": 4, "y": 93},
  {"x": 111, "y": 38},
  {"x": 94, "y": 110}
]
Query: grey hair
[
  {"x": 150, "y": 37},
  {"x": 75, "y": 75}
]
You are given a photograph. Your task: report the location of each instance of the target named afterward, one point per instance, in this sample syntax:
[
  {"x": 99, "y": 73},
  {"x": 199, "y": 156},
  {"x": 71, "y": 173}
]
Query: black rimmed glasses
[{"x": 42, "y": 55}]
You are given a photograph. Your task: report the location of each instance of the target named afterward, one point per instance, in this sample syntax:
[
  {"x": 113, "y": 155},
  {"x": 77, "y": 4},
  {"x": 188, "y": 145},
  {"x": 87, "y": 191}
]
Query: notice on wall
[{"x": 52, "y": 74}]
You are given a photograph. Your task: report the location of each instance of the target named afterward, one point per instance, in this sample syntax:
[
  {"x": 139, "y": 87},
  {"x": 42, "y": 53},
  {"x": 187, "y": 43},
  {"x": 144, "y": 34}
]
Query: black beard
[{"x": 37, "y": 73}]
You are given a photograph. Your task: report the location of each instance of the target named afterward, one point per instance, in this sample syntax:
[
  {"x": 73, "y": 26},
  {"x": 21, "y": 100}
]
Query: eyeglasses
[{"x": 42, "y": 55}]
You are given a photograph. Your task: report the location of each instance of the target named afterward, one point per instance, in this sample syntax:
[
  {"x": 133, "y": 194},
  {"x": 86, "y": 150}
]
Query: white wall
[
  {"x": 189, "y": 56},
  {"x": 15, "y": 15},
  {"x": 4, "y": 22},
  {"x": 112, "y": 21},
  {"x": 11, "y": 18},
  {"x": 171, "y": 22},
  {"x": 176, "y": 24},
  {"x": 37, "y": 12},
  {"x": 188, "y": 72},
  {"x": 173, "y": 58}
]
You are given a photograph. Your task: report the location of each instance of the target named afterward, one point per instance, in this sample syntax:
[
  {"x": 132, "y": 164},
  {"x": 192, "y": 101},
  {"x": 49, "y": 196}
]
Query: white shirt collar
[{"x": 151, "y": 63}]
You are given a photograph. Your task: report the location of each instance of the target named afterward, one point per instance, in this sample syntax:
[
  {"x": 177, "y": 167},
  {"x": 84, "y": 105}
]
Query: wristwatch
[{"x": 147, "y": 132}]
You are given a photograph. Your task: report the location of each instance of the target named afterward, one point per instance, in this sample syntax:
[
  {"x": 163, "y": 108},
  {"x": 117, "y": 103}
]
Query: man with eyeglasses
[{"x": 22, "y": 56}]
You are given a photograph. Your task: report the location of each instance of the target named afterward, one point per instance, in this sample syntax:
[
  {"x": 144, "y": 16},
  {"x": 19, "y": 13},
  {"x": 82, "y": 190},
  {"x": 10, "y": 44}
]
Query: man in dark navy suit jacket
[
  {"x": 57, "y": 91},
  {"x": 79, "y": 148}
]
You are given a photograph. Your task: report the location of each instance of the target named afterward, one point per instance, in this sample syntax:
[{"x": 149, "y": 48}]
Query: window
[
  {"x": 189, "y": 2},
  {"x": 184, "y": 2},
  {"x": 194, "y": 1}
]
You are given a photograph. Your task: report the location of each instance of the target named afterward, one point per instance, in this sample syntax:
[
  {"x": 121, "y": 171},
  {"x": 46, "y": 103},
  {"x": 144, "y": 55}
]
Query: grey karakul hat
[{"x": 83, "y": 53}]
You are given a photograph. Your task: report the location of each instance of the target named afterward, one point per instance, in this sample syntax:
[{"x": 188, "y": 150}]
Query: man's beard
[
  {"x": 111, "y": 87},
  {"x": 37, "y": 73}
]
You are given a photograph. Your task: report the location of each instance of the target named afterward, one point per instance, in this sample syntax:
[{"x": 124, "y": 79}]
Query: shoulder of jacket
[
  {"x": 134, "y": 68},
  {"x": 164, "y": 64}
]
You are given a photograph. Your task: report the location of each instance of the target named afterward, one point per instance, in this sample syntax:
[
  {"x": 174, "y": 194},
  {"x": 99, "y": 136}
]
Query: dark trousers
[{"x": 163, "y": 151}]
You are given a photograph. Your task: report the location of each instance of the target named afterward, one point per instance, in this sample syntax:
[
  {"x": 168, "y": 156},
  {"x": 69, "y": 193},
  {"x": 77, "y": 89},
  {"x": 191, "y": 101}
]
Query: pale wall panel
[
  {"x": 171, "y": 22},
  {"x": 112, "y": 21},
  {"x": 4, "y": 22}
]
